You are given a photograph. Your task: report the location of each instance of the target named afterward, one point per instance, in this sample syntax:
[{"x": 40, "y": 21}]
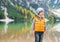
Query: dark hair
[{"x": 40, "y": 12}]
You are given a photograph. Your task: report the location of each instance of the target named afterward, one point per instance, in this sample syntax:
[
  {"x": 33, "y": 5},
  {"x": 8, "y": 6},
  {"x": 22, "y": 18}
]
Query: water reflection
[{"x": 16, "y": 29}]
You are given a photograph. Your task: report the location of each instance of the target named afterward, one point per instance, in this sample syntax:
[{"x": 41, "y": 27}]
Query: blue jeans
[{"x": 38, "y": 36}]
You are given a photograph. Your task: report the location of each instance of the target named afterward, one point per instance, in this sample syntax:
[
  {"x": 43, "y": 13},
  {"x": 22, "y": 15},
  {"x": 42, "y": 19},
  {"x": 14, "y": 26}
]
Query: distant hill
[{"x": 15, "y": 11}]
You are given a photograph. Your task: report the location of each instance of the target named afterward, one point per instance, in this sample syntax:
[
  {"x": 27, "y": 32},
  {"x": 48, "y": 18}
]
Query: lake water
[{"x": 22, "y": 28}]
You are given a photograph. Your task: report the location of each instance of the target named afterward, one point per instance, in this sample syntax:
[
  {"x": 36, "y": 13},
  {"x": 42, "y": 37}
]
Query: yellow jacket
[{"x": 39, "y": 25}]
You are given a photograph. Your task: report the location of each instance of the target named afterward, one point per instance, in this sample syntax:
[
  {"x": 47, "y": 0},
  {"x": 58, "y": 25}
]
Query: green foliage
[
  {"x": 14, "y": 14},
  {"x": 18, "y": 13},
  {"x": 1, "y": 15}
]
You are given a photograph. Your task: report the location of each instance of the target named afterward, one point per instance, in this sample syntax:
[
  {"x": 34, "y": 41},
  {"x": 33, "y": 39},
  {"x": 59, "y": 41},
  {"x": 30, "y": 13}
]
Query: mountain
[
  {"x": 14, "y": 11},
  {"x": 54, "y": 3}
]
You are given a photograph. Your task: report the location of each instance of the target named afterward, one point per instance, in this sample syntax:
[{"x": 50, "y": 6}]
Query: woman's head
[{"x": 40, "y": 12}]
